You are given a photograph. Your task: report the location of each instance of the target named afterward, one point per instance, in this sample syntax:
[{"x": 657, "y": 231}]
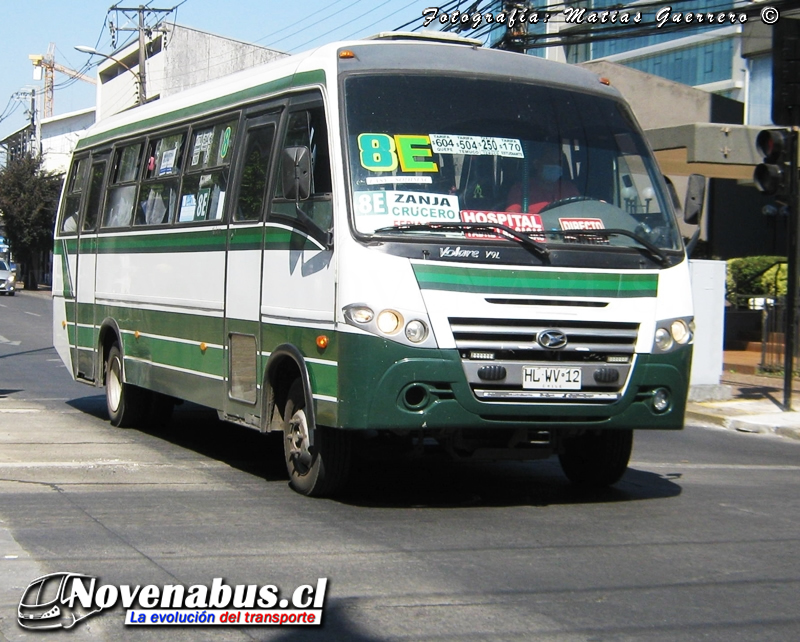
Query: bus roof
[{"x": 392, "y": 52}]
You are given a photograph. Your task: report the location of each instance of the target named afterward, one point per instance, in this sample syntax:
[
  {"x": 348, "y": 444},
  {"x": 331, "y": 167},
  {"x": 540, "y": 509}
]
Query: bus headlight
[
  {"x": 361, "y": 314},
  {"x": 411, "y": 327},
  {"x": 663, "y": 339},
  {"x": 680, "y": 331},
  {"x": 416, "y": 331},
  {"x": 389, "y": 321},
  {"x": 672, "y": 334}
]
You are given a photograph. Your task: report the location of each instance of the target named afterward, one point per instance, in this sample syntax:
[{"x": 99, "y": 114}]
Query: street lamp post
[{"x": 140, "y": 82}]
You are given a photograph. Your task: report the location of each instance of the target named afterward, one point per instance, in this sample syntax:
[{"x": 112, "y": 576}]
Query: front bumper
[{"x": 385, "y": 386}]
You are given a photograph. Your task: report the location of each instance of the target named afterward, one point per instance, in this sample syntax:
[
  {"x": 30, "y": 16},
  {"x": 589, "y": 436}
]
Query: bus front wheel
[
  {"x": 126, "y": 404},
  {"x": 319, "y": 470},
  {"x": 596, "y": 459}
]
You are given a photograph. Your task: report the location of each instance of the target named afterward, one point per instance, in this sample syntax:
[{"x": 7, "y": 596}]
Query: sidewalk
[{"x": 753, "y": 403}]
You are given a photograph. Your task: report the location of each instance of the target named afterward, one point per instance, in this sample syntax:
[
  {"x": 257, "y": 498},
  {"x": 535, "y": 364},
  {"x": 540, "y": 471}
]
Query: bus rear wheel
[
  {"x": 126, "y": 404},
  {"x": 320, "y": 470},
  {"x": 596, "y": 459}
]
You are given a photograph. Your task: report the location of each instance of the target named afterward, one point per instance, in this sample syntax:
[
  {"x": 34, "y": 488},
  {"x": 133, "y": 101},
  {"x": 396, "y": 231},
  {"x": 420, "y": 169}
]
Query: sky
[{"x": 290, "y": 26}]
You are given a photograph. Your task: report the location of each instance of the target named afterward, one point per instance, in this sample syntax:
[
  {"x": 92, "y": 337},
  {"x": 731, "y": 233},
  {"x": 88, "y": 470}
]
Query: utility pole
[
  {"x": 144, "y": 33},
  {"x": 516, "y": 36},
  {"x": 778, "y": 173}
]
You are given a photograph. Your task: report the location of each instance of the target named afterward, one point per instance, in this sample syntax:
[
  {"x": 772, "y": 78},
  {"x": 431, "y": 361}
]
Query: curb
[{"x": 760, "y": 425}]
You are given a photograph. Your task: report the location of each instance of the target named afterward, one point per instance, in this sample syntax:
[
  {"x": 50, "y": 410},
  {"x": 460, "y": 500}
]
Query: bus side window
[
  {"x": 122, "y": 191},
  {"x": 252, "y": 190},
  {"x": 158, "y": 196},
  {"x": 307, "y": 128},
  {"x": 205, "y": 180},
  {"x": 76, "y": 185},
  {"x": 95, "y": 194}
]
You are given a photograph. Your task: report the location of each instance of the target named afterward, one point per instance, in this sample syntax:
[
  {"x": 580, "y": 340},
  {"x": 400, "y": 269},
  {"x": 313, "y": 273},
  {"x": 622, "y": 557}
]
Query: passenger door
[
  {"x": 86, "y": 361},
  {"x": 243, "y": 271}
]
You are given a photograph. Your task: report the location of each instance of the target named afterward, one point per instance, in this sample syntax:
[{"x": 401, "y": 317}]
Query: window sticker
[
  {"x": 390, "y": 180},
  {"x": 375, "y": 209},
  {"x": 168, "y": 162},
  {"x": 203, "y": 201},
  {"x": 202, "y": 145},
  {"x": 515, "y": 220},
  {"x": 476, "y": 145},
  {"x": 226, "y": 142},
  {"x": 188, "y": 208},
  {"x": 384, "y": 153}
]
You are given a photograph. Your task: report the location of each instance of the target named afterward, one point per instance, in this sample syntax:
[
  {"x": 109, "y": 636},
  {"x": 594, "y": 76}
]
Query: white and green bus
[{"x": 374, "y": 238}]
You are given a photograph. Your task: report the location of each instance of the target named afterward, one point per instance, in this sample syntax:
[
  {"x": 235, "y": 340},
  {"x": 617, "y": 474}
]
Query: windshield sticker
[
  {"x": 391, "y": 208},
  {"x": 391, "y": 180},
  {"x": 382, "y": 153},
  {"x": 476, "y": 145},
  {"x": 581, "y": 224},
  {"x": 516, "y": 221}
]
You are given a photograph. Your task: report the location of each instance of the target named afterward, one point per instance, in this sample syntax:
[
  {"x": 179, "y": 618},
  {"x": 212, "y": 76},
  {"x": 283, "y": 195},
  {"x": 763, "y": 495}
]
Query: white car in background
[{"x": 8, "y": 279}]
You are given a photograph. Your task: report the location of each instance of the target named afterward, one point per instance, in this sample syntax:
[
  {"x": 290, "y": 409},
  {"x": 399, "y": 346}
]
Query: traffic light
[{"x": 779, "y": 149}]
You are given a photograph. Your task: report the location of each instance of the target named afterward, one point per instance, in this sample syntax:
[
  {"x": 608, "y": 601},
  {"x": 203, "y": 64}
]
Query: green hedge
[{"x": 756, "y": 275}]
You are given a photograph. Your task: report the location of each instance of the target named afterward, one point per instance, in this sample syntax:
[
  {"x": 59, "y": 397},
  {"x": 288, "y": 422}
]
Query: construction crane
[{"x": 48, "y": 64}]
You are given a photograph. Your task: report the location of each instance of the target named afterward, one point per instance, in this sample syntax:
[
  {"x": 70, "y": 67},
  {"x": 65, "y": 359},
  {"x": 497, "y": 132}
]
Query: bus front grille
[{"x": 545, "y": 361}]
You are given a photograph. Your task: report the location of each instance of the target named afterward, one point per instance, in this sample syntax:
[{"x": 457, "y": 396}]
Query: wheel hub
[{"x": 298, "y": 441}]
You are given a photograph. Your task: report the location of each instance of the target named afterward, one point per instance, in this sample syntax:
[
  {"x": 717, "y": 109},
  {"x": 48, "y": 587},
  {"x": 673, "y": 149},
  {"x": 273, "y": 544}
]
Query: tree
[{"x": 28, "y": 201}]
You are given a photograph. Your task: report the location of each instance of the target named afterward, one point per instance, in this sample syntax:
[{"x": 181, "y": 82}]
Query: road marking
[
  {"x": 12, "y": 411},
  {"x": 67, "y": 464},
  {"x": 8, "y": 341},
  {"x": 33, "y": 314},
  {"x": 647, "y": 464}
]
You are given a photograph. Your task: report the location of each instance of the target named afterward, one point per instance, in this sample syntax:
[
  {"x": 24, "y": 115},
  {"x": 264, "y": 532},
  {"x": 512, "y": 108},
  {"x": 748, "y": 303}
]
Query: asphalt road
[{"x": 698, "y": 541}]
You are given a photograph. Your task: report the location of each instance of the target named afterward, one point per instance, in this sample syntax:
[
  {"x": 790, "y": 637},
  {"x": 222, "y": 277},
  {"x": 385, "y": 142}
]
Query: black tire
[
  {"x": 321, "y": 470},
  {"x": 127, "y": 405},
  {"x": 596, "y": 459}
]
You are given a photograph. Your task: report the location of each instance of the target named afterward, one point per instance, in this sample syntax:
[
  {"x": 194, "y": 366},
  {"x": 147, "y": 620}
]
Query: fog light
[
  {"x": 416, "y": 331},
  {"x": 663, "y": 339},
  {"x": 389, "y": 321},
  {"x": 660, "y": 399}
]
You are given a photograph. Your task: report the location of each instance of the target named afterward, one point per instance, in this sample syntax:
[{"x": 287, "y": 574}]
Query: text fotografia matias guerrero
[{"x": 576, "y": 15}]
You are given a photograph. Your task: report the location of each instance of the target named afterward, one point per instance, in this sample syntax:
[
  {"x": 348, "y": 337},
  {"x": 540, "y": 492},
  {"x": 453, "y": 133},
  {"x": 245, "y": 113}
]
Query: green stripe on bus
[
  {"x": 203, "y": 240},
  {"x": 459, "y": 279},
  {"x": 209, "y": 106},
  {"x": 195, "y": 241}
]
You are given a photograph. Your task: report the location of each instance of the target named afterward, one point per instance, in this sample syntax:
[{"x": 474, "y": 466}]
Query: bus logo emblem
[{"x": 552, "y": 339}]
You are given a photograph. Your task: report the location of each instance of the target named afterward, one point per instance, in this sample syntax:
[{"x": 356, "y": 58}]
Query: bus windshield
[{"x": 435, "y": 155}]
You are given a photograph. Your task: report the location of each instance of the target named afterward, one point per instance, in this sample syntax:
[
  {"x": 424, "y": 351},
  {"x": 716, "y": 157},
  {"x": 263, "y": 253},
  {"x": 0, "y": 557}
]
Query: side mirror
[
  {"x": 695, "y": 195},
  {"x": 296, "y": 173}
]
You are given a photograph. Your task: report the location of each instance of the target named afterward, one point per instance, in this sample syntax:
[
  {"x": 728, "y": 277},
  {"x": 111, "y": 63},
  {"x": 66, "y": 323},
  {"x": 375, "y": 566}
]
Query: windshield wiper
[
  {"x": 654, "y": 250},
  {"x": 504, "y": 230}
]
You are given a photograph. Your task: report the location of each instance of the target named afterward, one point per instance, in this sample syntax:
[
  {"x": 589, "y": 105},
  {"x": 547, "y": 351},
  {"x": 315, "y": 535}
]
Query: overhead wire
[
  {"x": 322, "y": 17},
  {"x": 372, "y": 24},
  {"x": 334, "y": 29}
]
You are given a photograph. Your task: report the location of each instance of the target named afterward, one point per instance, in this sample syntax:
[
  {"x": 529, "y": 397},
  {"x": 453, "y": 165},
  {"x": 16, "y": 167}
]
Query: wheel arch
[
  {"x": 285, "y": 364},
  {"x": 109, "y": 335}
]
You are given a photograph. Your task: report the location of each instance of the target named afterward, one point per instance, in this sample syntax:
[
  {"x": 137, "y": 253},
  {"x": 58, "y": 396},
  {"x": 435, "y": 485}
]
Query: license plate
[{"x": 536, "y": 378}]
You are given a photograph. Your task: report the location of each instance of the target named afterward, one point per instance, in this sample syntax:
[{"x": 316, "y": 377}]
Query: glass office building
[{"x": 700, "y": 54}]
